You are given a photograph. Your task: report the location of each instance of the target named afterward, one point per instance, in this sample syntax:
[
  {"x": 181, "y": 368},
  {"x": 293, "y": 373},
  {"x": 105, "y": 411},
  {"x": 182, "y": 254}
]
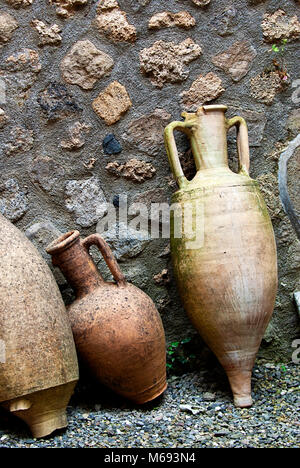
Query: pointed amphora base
[{"x": 240, "y": 383}]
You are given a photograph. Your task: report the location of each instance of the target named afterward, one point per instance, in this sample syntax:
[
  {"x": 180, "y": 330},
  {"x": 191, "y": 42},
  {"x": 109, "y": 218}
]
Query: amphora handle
[
  {"x": 98, "y": 241},
  {"x": 172, "y": 150},
  {"x": 242, "y": 142}
]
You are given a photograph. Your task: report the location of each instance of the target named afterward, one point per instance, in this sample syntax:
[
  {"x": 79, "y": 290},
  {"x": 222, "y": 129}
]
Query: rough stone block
[
  {"x": 134, "y": 169},
  {"x": 147, "y": 132},
  {"x": 86, "y": 200},
  {"x": 201, "y": 3},
  {"x": 203, "y": 90},
  {"x": 167, "y": 19},
  {"x": 265, "y": 86},
  {"x": 112, "y": 103},
  {"x": 164, "y": 62},
  {"x": 56, "y": 102},
  {"x": 48, "y": 35},
  {"x": 20, "y": 71},
  {"x": 84, "y": 65},
  {"x": 237, "y": 60},
  {"x": 76, "y": 136},
  {"x": 7, "y": 26},
  {"x": 113, "y": 23},
  {"x": 67, "y": 8},
  {"x": 279, "y": 26},
  {"x": 19, "y": 3},
  {"x": 13, "y": 200}
]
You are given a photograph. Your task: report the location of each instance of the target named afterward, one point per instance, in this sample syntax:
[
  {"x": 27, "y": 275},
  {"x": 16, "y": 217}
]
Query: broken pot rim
[{"x": 202, "y": 110}]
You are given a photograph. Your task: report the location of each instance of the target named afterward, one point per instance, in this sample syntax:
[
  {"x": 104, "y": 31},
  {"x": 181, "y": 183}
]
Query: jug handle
[
  {"x": 172, "y": 151},
  {"x": 242, "y": 142},
  {"x": 98, "y": 241}
]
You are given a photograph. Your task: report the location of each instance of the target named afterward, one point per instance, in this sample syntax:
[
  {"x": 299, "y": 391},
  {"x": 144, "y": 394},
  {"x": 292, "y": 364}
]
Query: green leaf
[
  {"x": 175, "y": 344},
  {"x": 186, "y": 340},
  {"x": 275, "y": 48}
]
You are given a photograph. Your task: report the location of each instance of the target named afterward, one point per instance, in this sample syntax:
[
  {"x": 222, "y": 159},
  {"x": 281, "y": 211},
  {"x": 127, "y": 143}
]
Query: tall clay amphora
[
  {"x": 118, "y": 332},
  {"x": 38, "y": 361},
  {"x": 225, "y": 261}
]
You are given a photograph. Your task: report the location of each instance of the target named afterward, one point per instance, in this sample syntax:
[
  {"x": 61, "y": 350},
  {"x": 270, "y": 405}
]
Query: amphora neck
[{"x": 209, "y": 137}]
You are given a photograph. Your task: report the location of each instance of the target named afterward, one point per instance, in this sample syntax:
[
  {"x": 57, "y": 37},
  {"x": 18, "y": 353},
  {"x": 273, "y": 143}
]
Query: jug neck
[
  {"x": 75, "y": 263},
  {"x": 209, "y": 137}
]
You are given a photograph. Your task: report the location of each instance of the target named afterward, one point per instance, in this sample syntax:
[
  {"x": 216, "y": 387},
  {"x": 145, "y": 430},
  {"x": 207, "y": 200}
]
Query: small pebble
[{"x": 208, "y": 396}]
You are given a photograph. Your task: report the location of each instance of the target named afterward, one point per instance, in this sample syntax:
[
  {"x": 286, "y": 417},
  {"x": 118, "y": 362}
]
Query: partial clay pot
[
  {"x": 117, "y": 329},
  {"x": 38, "y": 361},
  {"x": 223, "y": 246}
]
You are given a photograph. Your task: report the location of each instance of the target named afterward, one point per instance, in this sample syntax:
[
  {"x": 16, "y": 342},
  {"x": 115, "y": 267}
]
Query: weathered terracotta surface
[
  {"x": 228, "y": 279},
  {"x": 43, "y": 411},
  {"x": 40, "y": 369},
  {"x": 117, "y": 329}
]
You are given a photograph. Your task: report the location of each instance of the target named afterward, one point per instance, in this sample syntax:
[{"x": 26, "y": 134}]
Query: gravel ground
[{"x": 195, "y": 412}]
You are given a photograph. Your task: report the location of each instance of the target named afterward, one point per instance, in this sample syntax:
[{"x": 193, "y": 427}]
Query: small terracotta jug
[
  {"x": 117, "y": 329},
  {"x": 227, "y": 273},
  {"x": 38, "y": 361}
]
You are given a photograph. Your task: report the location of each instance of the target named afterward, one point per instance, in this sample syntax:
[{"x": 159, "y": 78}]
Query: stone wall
[{"x": 86, "y": 89}]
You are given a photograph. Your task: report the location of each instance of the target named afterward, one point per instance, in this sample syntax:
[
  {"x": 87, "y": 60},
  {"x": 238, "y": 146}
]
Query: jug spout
[{"x": 77, "y": 266}]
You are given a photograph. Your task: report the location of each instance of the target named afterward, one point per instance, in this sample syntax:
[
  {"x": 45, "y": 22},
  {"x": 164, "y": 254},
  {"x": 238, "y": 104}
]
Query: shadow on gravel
[{"x": 90, "y": 394}]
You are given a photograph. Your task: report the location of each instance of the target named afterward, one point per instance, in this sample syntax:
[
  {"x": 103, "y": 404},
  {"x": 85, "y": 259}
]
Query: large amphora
[
  {"x": 222, "y": 244},
  {"x": 38, "y": 361},
  {"x": 117, "y": 329}
]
